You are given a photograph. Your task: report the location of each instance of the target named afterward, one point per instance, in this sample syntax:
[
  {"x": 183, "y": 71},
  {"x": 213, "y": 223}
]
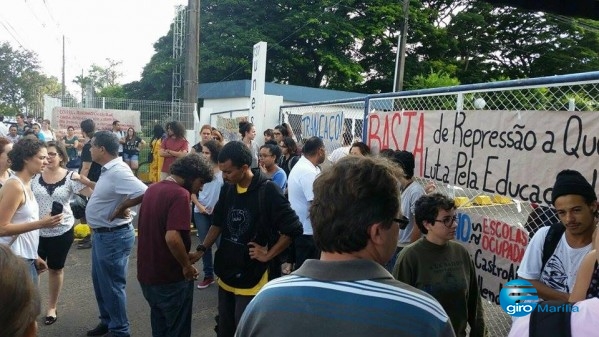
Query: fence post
[
  {"x": 460, "y": 102},
  {"x": 365, "y": 120}
]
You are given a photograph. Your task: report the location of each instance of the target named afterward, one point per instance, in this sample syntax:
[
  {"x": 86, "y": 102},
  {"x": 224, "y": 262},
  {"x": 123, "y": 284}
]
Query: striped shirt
[{"x": 342, "y": 298}]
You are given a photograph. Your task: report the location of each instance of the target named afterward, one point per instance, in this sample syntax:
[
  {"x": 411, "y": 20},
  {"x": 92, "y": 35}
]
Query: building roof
[{"x": 290, "y": 93}]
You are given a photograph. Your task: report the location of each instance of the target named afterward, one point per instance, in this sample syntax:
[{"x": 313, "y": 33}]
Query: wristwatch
[{"x": 201, "y": 248}]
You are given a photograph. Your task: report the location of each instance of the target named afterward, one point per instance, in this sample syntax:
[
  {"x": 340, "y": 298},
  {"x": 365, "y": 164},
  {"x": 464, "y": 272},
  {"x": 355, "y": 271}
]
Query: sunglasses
[{"x": 403, "y": 222}]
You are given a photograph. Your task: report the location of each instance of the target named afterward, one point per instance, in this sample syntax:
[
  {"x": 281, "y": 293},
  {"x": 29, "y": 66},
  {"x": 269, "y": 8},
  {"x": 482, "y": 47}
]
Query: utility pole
[
  {"x": 190, "y": 84},
  {"x": 400, "y": 57},
  {"x": 63, "y": 92}
]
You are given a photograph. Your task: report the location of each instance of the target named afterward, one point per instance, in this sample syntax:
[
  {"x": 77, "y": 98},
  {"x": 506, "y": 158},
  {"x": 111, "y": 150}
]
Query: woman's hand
[{"x": 50, "y": 221}]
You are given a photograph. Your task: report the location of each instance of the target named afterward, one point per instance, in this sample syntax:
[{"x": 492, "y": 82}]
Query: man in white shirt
[
  {"x": 300, "y": 194},
  {"x": 116, "y": 130},
  {"x": 3, "y": 127},
  {"x": 576, "y": 204}
]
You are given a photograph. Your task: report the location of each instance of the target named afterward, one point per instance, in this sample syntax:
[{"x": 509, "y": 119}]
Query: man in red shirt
[{"x": 164, "y": 268}]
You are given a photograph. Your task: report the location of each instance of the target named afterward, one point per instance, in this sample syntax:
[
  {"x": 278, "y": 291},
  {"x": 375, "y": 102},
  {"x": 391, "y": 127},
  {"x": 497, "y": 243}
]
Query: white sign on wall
[{"x": 257, "y": 100}]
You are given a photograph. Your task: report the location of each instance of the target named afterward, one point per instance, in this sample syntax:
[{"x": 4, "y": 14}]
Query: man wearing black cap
[{"x": 553, "y": 274}]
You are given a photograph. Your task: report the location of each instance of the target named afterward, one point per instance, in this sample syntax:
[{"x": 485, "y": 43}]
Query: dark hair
[
  {"x": 88, "y": 127},
  {"x": 158, "y": 132},
  {"x": 19, "y": 296},
  {"x": 245, "y": 127},
  {"x": 268, "y": 132},
  {"x": 25, "y": 148},
  {"x": 70, "y": 127},
  {"x": 177, "y": 128},
  {"x": 291, "y": 145},
  {"x": 115, "y": 122},
  {"x": 61, "y": 150},
  {"x": 237, "y": 152},
  {"x": 214, "y": 147},
  {"x": 312, "y": 145},
  {"x": 427, "y": 208},
  {"x": 3, "y": 142},
  {"x": 220, "y": 135},
  {"x": 273, "y": 149},
  {"x": 364, "y": 149},
  {"x": 20, "y": 115},
  {"x": 190, "y": 168},
  {"x": 283, "y": 130},
  {"x": 369, "y": 185},
  {"x": 387, "y": 153},
  {"x": 108, "y": 140},
  {"x": 405, "y": 159},
  {"x": 271, "y": 142},
  {"x": 13, "y": 126},
  {"x": 134, "y": 134}
]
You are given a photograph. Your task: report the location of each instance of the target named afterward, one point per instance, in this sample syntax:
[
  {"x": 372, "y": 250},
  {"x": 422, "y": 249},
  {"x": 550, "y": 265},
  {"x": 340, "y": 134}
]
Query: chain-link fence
[
  {"x": 495, "y": 148},
  {"x": 338, "y": 123}
]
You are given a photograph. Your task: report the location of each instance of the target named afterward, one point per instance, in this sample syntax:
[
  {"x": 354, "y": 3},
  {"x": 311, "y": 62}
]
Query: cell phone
[{"x": 56, "y": 208}]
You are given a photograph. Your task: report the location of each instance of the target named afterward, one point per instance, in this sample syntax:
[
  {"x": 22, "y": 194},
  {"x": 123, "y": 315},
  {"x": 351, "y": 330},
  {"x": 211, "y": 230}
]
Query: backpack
[
  {"x": 545, "y": 323},
  {"x": 554, "y": 234}
]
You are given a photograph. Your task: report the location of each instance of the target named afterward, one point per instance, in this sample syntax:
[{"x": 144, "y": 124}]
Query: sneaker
[
  {"x": 206, "y": 282},
  {"x": 85, "y": 243}
]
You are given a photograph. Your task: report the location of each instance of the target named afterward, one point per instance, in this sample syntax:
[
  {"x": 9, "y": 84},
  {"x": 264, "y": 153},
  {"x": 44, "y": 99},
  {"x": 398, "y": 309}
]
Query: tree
[{"x": 23, "y": 85}]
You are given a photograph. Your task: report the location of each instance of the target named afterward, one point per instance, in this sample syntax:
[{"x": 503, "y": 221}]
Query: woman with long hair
[
  {"x": 205, "y": 135},
  {"x": 204, "y": 203},
  {"x": 359, "y": 149},
  {"x": 218, "y": 136},
  {"x": 289, "y": 154},
  {"x": 173, "y": 146},
  {"x": 19, "y": 211},
  {"x": 155, "y": 146},
  {"x": 5, "y": 147},
  {"x": 131, "y": 149},
  {"x": 57, "y": 184},
  {"x": 248, "y": 134}
]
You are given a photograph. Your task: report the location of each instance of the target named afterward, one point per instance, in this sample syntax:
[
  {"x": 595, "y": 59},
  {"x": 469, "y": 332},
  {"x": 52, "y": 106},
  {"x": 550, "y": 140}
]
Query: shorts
[
  {"x": 54, "y": 249},
  {"x": 130, "y": 157}
]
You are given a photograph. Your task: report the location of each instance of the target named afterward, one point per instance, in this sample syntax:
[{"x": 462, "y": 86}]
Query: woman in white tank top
[{"x": 19, "y": 218}]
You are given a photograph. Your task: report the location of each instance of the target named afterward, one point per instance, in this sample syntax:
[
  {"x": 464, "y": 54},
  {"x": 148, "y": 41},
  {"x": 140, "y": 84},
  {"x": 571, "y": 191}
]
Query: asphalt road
[{"x": 78, "y": 311}]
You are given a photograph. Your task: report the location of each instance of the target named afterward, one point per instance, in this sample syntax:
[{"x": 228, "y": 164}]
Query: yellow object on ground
[{"x": 82, "y": 230}]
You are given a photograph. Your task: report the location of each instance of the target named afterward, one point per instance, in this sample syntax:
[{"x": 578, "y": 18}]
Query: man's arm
[
  {"x": 177, "y": 248},
  {"x": 548, "y": 293},
  {"x": 120, "y": 210},
  {"x": 85, "y": 166},
  {"x": 263, "y": 254},
  {"x": 211, "y": 237}
]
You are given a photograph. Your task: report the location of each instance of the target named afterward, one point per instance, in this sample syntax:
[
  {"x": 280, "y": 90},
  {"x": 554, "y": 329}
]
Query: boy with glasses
[{"x": 442, "y": 267}]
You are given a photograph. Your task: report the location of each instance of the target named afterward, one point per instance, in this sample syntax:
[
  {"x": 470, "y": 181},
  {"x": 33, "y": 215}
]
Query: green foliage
[{"x": 432, "y": 80}]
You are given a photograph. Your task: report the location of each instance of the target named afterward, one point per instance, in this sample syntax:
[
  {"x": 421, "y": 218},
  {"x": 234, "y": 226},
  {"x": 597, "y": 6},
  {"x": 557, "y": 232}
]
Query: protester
[
  {"x": 279, "y": 133},
  {"x": 204, "y": 203},
  {"x": 205, "y": 135},
  {"x": 248, "y": 134},
  {"x": 411, "y": 191},
  {"x": 173, "y": 146},
  {"x": 131, "y": 149},
  {"x": 342, "y": 151},
  {"x": 56, "y": 184},
  {"x": 347, "y": 292},
  {"x": 289, "y": 156},
  {"x": 359, "y": 149},
  {"x": 89, "y": 168},
  {"x": 21, "y": 124},
  {"x": 256, "y": 223},
  {"x": 268, "y": 135},
  {"x": 166, "y": 272},
  {"x": 218, "y": 136},
  {"x": 47, "y": 131},
  {"x": 5, "y": 147},
  {"x": 157, "y": 159},
  {"x": 441, "y": 267},
  {"x": 107, "y": 214},
  {"x": 19, "y": 297},
  {"x": 19, "y": 217},
  {"x": 12, "y": 134},
  {"x": 299, "y": 189},
  {"x": 554, "y": 274},
  {"x": 269, "y": 157},
  {"x": 116, "y": 130},
  {"x": 37, "y": 131},
  {"x": 71, "y": 143}
]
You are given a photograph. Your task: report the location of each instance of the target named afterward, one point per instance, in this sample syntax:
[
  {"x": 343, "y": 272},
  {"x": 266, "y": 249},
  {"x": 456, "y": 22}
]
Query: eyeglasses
[
  {"x": 448, "y": 221},
  {"x": 403, "y": 222}
]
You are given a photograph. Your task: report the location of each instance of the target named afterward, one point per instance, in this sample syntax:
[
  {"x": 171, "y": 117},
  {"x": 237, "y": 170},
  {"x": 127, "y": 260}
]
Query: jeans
[
  {"x": 170, "y": 308},
  {"x": 32, "y": 271},
  {"x": 203, "y": 222},
  {"x": 230, "y": 309},
  {"x": 110, "y": 257}
]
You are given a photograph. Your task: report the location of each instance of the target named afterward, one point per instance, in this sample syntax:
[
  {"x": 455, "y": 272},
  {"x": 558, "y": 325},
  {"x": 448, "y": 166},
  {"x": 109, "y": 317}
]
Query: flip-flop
[{"x": 50, "y": 320}]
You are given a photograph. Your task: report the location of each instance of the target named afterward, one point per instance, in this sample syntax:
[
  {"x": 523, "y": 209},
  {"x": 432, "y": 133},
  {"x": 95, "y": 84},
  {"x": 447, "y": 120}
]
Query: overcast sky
[{"x": 122, "y": 30}]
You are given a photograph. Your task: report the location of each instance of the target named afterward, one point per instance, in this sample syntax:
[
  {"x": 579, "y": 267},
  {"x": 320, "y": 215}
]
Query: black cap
[{"x": 572, "y": 182}]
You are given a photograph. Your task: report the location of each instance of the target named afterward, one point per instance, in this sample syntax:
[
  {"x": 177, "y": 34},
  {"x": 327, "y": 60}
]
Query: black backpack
[
  {"x": 545, "y": 323},
  {"x": 554, "y": 234}
]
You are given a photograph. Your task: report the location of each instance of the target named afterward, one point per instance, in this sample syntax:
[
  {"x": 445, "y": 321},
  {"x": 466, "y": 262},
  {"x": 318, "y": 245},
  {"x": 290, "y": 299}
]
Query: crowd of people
[{"x": 283, "y": 236}]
